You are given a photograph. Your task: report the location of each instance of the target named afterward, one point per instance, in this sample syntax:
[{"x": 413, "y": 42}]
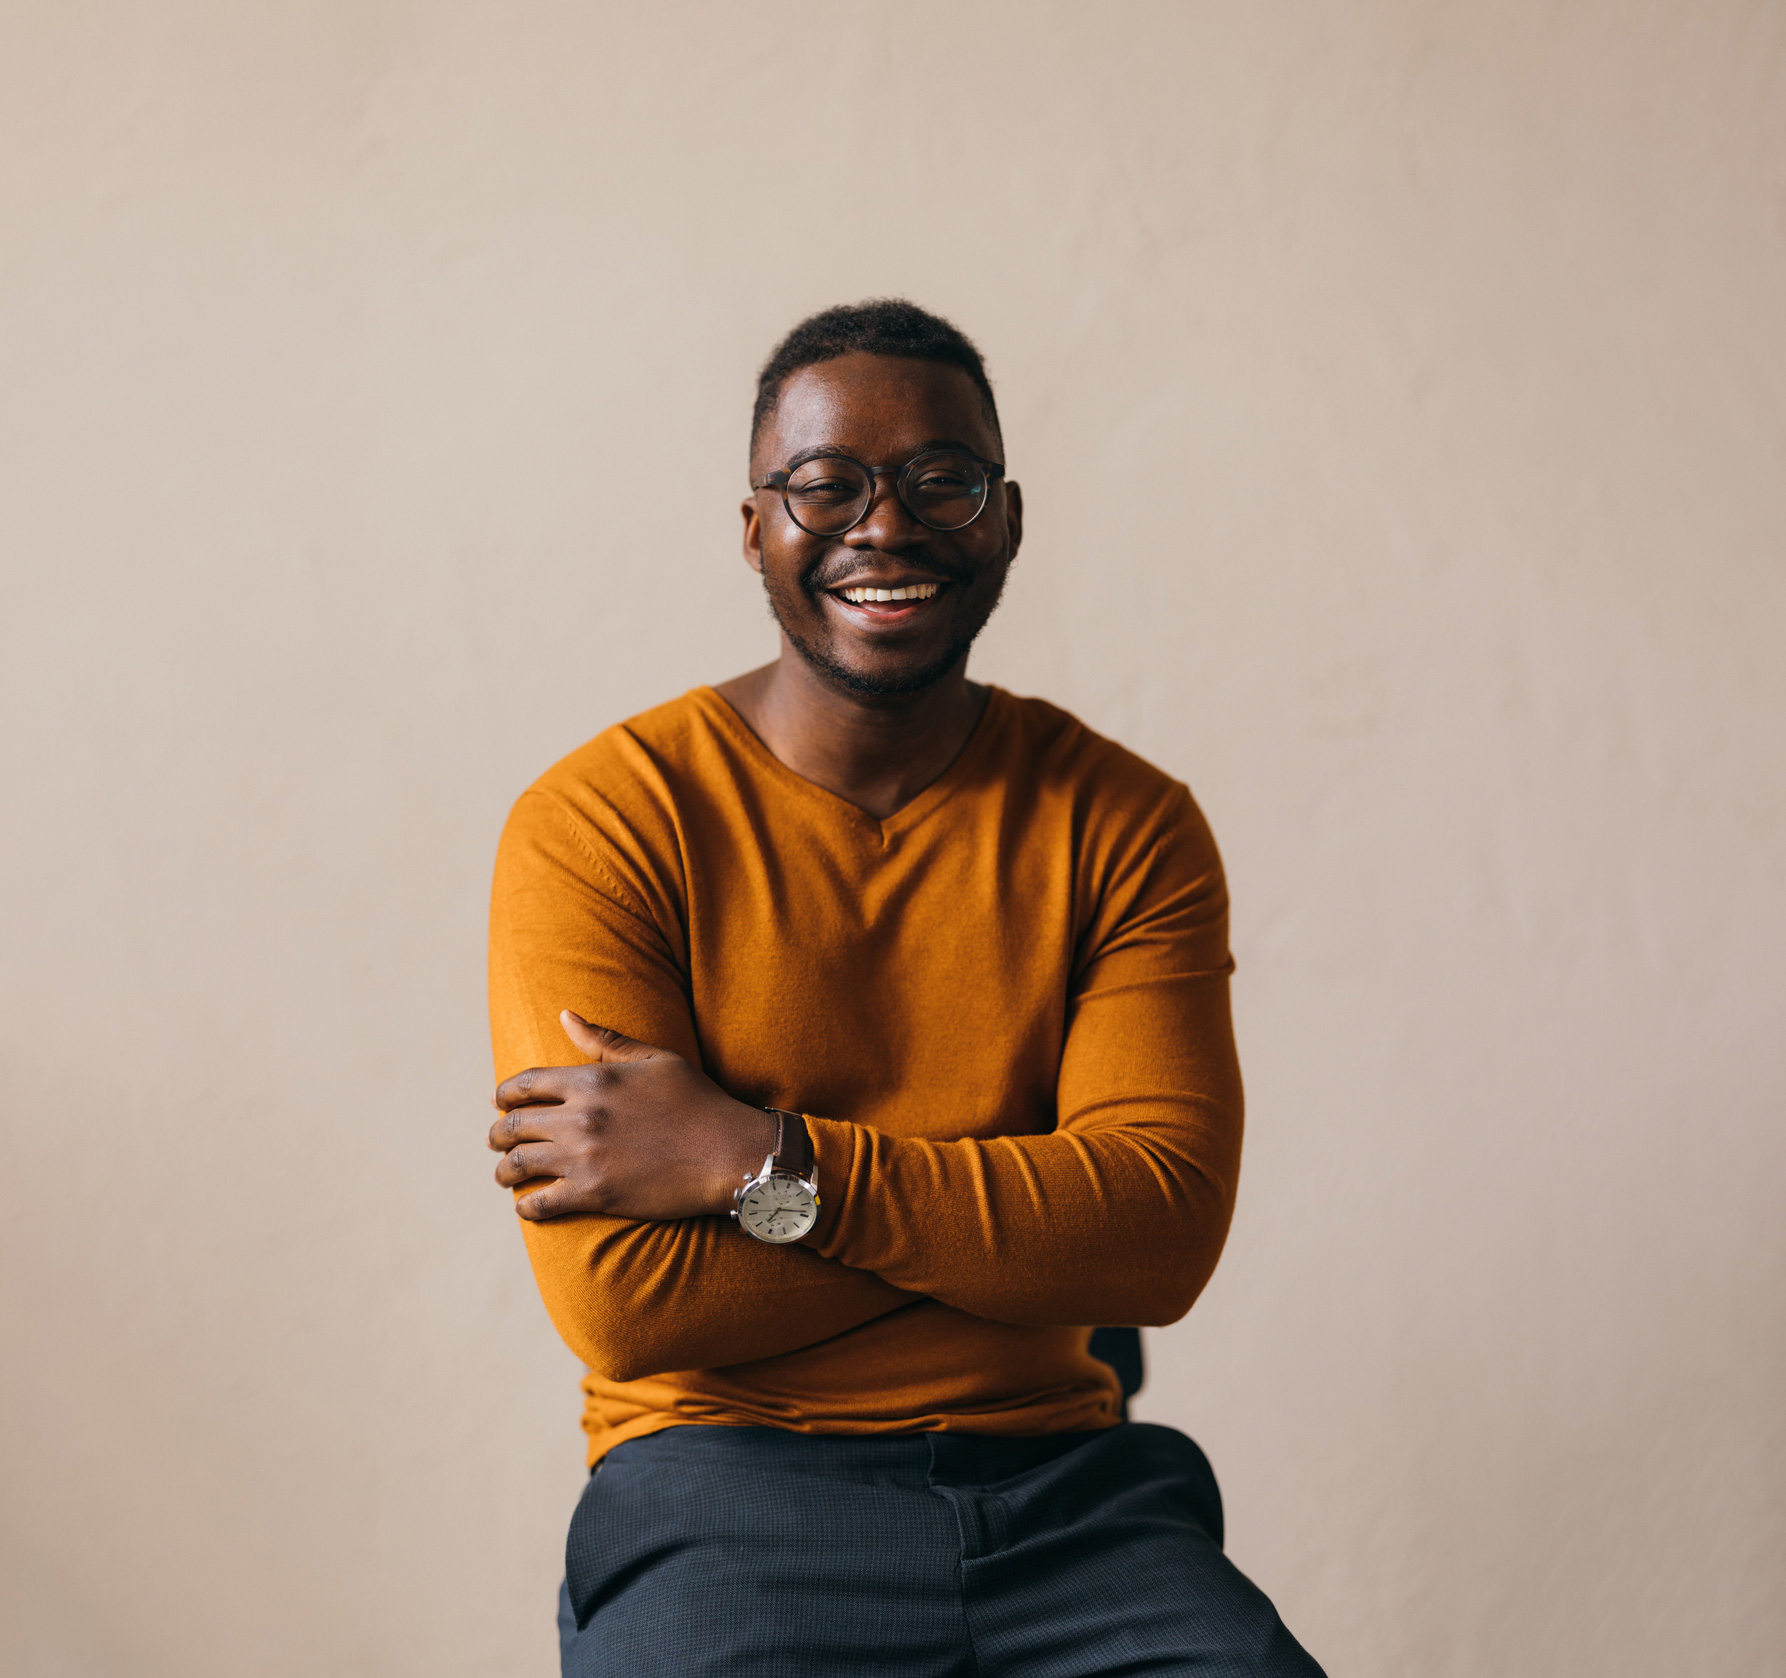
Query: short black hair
[{"x": 878, "y": 326}]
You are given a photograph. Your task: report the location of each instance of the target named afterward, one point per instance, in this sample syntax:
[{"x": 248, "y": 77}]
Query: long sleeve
[
  {"x": 1119, "y": 1214},
  {"x": 1004, "y": 1009},
  {"x": 636, "y": 1299}
]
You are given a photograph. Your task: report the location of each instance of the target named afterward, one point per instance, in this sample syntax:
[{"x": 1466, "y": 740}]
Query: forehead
[{"x": 879, "y": 408}]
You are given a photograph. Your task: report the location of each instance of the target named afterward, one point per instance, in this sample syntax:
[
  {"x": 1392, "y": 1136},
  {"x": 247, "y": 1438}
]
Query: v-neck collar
[{"x": 726, "y": 716}]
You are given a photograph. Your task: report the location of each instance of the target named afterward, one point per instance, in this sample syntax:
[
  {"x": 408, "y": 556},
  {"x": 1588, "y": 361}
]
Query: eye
[{"x": 826, "y": 478}]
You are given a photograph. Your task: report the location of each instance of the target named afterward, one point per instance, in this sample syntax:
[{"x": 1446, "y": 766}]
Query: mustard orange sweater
[{"x": 1004, "y": 1011}]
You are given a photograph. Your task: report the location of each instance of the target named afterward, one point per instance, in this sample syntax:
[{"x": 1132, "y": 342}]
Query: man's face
[{"x": 881, "y": 410}]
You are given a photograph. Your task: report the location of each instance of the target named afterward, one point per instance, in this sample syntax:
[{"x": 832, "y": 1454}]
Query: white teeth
[{"x": 912, "y": 591}]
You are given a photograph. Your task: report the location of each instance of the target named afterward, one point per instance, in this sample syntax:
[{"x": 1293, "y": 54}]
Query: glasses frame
[{"x": 899, "y": 474}]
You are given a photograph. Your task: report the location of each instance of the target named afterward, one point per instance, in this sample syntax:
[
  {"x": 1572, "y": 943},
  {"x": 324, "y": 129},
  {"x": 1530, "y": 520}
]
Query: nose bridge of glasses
[{"x": 879, "y": 495}]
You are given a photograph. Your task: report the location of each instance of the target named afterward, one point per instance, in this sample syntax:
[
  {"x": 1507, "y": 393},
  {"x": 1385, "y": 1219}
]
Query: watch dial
[{"x": 778, "y": 1210}]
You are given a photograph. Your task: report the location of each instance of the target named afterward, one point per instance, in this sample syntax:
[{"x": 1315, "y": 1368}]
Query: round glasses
[{"x": 945, "y": 489}]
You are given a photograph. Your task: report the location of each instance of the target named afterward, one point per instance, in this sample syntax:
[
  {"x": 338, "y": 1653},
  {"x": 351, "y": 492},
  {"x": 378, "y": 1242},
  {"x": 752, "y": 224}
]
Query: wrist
[
  {"x": 779, "y": 1201},
  {"x": 753, "y": 1141}
]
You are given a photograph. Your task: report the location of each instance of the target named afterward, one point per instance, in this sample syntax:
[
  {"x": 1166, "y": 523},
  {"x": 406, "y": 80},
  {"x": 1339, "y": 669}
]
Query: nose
[{"x": 887, "y": 524}]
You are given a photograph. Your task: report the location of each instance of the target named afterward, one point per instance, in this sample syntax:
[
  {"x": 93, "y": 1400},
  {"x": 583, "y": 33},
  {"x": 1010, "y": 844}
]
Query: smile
[{"x": 912, "y": 591}]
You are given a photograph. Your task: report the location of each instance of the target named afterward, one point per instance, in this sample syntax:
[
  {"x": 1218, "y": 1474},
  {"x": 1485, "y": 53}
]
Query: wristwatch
[{"x": 780, "y": 1203}]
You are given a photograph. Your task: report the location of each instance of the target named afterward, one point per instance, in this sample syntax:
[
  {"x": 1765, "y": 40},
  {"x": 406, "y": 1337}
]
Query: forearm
[
  {"x": 1118, "y": 1216},
  {"x": 1031, "y": 1230},
  {"x": 638, "y": 1299},
  {"x": 629, "y": 1298}
]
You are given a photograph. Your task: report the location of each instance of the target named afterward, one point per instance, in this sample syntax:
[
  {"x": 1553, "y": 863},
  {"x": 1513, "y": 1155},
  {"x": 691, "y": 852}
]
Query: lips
[
  {"x": 887, "y": 605},
  {"x": 862, "y": 594}
]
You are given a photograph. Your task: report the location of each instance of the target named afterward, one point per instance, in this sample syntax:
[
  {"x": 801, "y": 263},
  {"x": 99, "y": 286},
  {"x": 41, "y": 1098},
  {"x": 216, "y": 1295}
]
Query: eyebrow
[{"x": 826, "y": 449}]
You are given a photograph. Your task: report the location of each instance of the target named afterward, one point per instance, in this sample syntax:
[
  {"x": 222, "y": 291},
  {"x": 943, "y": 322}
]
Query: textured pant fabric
[{"x": 756, "y": 1553}]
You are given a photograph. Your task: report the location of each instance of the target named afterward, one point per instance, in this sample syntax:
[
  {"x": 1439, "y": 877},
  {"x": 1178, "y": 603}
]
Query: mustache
[{"x": 830, "y": 573}]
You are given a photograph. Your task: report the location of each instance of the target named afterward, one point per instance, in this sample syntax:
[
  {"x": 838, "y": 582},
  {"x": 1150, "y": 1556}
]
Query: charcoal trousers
[{"x": 757, "y": 1553}]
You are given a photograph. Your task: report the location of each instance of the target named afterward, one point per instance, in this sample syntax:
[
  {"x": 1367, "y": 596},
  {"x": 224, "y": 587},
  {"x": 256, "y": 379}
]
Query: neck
[{"x": 878, "y": 751}]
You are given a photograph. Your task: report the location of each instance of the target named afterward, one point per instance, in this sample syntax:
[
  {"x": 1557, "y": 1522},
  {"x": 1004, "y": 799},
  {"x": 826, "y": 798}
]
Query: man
[{"x": 900, "y": 1007}]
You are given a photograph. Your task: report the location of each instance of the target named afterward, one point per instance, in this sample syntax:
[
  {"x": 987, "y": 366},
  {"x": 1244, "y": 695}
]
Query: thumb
[{"x": 604, "y": 1044}]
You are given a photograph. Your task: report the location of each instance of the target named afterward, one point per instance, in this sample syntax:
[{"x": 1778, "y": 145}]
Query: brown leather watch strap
[{"x": 793, "y": 1142}]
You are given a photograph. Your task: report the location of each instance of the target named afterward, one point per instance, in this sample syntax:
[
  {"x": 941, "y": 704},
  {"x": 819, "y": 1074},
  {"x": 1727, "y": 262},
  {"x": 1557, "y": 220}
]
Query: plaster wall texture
[{"x": 1400, "y": 396}]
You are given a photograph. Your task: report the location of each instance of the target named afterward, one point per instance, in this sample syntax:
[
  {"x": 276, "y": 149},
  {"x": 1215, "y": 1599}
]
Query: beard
[{"x": 862, "y": 683}]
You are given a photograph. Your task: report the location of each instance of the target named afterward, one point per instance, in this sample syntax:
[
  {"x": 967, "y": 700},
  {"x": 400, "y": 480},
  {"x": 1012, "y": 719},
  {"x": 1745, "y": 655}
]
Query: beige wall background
[{"x": 1400, "y": 396}]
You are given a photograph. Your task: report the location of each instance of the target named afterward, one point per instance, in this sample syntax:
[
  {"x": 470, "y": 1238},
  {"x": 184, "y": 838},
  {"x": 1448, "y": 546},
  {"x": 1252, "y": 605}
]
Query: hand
[{"x": 640, "y": 1134}]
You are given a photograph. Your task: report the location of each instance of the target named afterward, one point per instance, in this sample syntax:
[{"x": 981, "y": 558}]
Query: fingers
[
  {"x": 604, "y": 1044},
  {"x": 550, "y": 1202},
  {"x": 525, "y": 1124},
  {"x": 537, "y": 1083},
  {"x": 542, "y": 1084},
  {"x": 529, "y": 1160}
]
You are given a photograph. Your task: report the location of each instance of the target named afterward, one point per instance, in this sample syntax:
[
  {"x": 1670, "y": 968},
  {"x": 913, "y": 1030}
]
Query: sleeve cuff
[{"x": 836, "y": 1145}]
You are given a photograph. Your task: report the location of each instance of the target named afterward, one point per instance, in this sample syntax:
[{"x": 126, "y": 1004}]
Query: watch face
[{"x": 778, "y": 1208}]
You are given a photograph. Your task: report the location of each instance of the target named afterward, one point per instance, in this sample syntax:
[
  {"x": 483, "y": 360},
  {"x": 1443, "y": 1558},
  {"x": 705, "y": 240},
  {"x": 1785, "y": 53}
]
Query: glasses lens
[
  {"x": 945, "y": 490},
  {"x": 827, "y": 495}
]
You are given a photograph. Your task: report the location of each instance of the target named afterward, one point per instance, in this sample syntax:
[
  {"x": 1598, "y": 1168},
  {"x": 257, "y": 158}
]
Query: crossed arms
[{"x": 1117, "y": 1215}]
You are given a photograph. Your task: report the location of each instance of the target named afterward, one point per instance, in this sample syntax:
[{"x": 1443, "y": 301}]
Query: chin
[
  {"x": 881, "y": 679},
  {"x": 887, "y": 683},
  {"x": 878, "y": 674}
]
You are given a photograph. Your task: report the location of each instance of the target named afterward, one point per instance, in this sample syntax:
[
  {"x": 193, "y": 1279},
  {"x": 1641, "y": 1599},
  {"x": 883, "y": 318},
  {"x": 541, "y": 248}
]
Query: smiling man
[{"x": 898, "y": 1014}]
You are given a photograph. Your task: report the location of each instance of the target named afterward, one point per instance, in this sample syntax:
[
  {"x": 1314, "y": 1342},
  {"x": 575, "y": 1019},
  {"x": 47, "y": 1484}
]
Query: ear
[
  {"x": 1014, "y": 515},
  {"x": 753, "y": 536}
]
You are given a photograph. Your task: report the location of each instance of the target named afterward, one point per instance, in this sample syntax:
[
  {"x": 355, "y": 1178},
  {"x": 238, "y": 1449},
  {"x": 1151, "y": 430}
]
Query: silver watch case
[{"x": 776, "y": 1206}]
